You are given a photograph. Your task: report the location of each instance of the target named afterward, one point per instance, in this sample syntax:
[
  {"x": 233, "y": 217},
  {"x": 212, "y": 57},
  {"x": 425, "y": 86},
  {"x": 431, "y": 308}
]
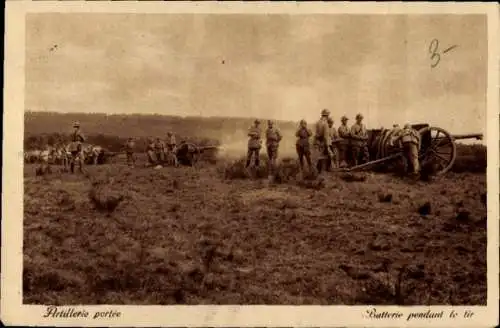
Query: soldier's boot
[{"x": 319, "y": 165}]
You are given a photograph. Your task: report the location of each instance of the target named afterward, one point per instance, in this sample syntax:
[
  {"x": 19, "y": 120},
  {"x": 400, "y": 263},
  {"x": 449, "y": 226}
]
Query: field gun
[
  {"x": 189, "y": 154},
  {"x": 437, "y": 147},
  {"x": 477, "y": 136}
]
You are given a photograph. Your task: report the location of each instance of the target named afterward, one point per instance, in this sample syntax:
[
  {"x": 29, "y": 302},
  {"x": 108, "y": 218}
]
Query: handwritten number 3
[
  {"x": 435, "y": 56},
  {"x": 435, "y": 53}
]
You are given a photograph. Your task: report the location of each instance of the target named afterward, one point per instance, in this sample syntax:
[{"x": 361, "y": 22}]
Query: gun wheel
[{"x": 437, "y": 148}]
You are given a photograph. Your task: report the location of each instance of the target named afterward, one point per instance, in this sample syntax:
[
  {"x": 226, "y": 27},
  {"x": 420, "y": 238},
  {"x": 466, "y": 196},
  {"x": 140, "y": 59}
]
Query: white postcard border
[{"x": 14, "y": 313}]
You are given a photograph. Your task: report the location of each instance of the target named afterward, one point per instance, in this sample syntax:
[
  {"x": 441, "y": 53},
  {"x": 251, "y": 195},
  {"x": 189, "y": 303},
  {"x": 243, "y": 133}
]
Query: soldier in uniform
[
  {"x": 333, "y": 162},
  {"x": 150, "y": 151},
  {"x": 159, "y": 151},
  {"x": 171, "y": 146},
  {"x": 410, "y": 139},
  {"x": 322, "y": 141},
  {"x": 129, "y": 150},
  {"x": 76, "y": 148},
  {"x": 395, "y": 133},
  {"x": 254, "y": 143},
  {"x": 273, "y": 138},
  {"x": 344, "y": 142},
  {"x": 359, "y": 139},
  {"x": 302, "y": 145}
]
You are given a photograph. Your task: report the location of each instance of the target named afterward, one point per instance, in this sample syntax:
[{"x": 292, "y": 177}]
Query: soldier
[
  {"x": 359, "y": 139},
  {"x": 76, "y": 148},
  {"x": 171, "y": 147},
  {"x": 302, "y": 145},
  {"x": 150, "y": 151},
  {"x": 395, "y": 133},
  {"x": 333, "y": 162},
  {"x": 159, "y": 151},
  {"x": 273, "y": 138},
  {"x": 410, "y": 139},
  {"x": 129, "y": 150},
  {"x": 254, "y": 143},
  {"x": 322, "y": 141},
  {"x": 344, "y": 142}
]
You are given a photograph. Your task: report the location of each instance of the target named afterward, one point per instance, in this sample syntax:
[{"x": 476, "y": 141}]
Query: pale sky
[{"x": 275, "y": 66}]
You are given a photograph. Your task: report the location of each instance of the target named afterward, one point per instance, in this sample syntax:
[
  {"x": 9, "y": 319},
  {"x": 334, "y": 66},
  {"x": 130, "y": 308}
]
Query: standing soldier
[
  {"x": 359, "y": 138},
  {"x": 344, "y": 142},
  {"x": 76, "y": 148},
  {"x": 171, "y": 148},
  {"x": 129, "y": 150},
  {"x": 410, "y": 139},
  {"x": 334, "y": 135},
  {"x": 159, "y": 150},
  {"x": 322, "y": 141},
  {"x": 254, "y": 143},
  {"x": 273, "y": 138},
  {"x": 150, "y": 151},
  {"x": 303, "y": 146}
]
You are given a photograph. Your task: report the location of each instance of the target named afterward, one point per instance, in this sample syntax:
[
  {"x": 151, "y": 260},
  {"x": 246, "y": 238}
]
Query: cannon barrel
[
  {"x": 207, "y": 148},
  {"x": 478, "y": 136}
]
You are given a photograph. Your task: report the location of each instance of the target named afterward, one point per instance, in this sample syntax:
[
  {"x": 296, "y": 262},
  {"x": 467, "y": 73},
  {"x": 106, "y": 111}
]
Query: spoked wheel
[{"x": 437, "y": 148}]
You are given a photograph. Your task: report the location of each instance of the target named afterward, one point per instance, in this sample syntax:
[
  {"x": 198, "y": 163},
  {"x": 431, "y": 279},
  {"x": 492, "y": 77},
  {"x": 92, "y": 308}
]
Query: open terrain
[
  {"x": 190, "y": 236},
  {"x": 212, "y": 235}
]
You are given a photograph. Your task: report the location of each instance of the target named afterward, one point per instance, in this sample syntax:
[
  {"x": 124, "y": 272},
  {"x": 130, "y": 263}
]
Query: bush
[{"x": 470, "y": 158}]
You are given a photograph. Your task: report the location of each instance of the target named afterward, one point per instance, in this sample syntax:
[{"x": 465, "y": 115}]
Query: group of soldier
[
  {"x": 158, "y": 151},
  {"x": 70, "y": 155},
  {"x": 340, "y": 147}
]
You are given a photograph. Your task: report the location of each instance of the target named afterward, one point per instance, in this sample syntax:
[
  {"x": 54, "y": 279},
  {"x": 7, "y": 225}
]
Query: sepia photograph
[{"x": 253, "y": 158}]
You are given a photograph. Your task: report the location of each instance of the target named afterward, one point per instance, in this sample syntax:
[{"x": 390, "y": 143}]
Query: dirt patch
[{"x": 189, "y": 236}]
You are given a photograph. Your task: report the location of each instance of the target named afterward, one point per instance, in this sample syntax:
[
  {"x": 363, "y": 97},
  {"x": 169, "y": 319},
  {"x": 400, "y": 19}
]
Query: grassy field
[
  {"x": 212, "y": 235},
  {"x": 190, "y": 236}
]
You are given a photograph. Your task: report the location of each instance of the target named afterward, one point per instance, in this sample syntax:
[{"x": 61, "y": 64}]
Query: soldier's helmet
[
  {"x": 169, "y": 133},
  {"x": 330, "y": 120},
  {"x": 407, "y": 126},
  {"x": 76, "y": 124},
  {"x": 257, "y": 121},
  {"x": 359, "y": 117},
  {"x": 303, "y": 122},
  {"x": 325, "y": 112}
]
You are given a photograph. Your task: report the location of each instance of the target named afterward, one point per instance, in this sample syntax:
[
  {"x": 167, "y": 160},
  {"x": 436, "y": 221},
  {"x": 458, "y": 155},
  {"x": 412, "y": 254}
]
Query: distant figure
[
  {"x": 171, "y": 146},
  {"x": 359, "y": 137},
  {"x": 76, "y": 148},
  {"x": 303, "y": 145},
  {"x": 322, "y": 140},
  {"x": 45, "y": 159},
  {"x": 344, "y": 142},
  {"x": 150, "y": 151},
  {"x": 333, "y": 161},
  {"x": 129, "y": 150},
  {"x": 273, "y": 138},
  {"x": 410, "y": 139},
  {"x": 159, "y": 151},
  {"x": 254, "y": 143}
]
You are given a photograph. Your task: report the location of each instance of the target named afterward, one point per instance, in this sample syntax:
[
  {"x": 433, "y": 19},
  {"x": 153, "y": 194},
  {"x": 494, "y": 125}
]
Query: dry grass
[{"x": 188, "y": 236}]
